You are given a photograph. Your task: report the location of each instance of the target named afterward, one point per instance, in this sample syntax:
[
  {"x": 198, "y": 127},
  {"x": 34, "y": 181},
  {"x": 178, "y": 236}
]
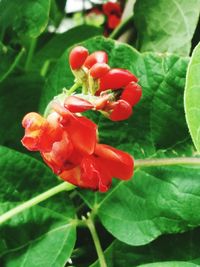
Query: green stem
[
  {"x": 141, "y": 163},
  {"x": 14, "y": 64},
  {"x": 30, "y": 53},
  {"x": 34, "y": 201},
  {"x": 73, "y": 88},
  {"x": 45, "y": 68},
  {"x": 121, "y": 28},
  {"x": 90, "y": 224}
]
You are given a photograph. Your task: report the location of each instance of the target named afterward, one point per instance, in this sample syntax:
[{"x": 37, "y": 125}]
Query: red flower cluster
[
  {"x": 116, "y": 89},
  {"x": 68, "y": 141},
  {"x": 113, "y": 13},
  {"x": 69, "y": 146}
]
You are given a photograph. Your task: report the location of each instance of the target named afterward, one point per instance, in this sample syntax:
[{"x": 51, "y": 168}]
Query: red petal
[
  {"x": 72, "y": 176},
  {"x": 59, "y": 157},
  {"x": 132, "y": 93},
  {"x": 119, "y": 163},
  {"x": 77, "y": 57},
  {"x": 121, "y": 111},
  {"x": 82, "y": 132},
  {"x": 96, "y": 57},
  {"x": 116, "y": 79},
  {"x": 77, "y": 104},
  {"x": 40, "y": 134},
  {"x": 93, "y": 176}
]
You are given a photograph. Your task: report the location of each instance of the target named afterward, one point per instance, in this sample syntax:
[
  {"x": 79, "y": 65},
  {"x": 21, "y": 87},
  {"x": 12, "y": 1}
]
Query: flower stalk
[{"x": 90, "y": 224}]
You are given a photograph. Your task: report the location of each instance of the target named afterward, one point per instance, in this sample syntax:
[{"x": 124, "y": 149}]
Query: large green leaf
[
  {"x": 20, "y": 94},
  {"x": 192, "y": 97},
  {"x": 166, "y": 26},
  {"x": 156, "y": 201},
  {"x": 44, "y": 235},
  {"x": 168, "y": 249},
  {"x": 29, "y": 18}
]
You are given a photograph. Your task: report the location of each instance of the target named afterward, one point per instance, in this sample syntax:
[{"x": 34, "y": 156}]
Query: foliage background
[{"x": 152, "y": 220}]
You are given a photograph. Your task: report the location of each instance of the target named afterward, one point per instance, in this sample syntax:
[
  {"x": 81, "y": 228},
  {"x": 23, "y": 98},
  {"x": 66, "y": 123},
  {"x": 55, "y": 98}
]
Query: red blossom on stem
[
  {"x": 68, "y": 141},
  {"x": 73, "y": 151}
]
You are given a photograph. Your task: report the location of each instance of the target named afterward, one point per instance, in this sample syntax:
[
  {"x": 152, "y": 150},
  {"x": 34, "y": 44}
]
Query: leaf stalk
[{"x": 36, "y": 200}]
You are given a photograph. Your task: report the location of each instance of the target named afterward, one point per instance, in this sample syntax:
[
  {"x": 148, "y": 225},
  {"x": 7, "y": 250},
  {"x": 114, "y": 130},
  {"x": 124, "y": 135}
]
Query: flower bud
[
  {"x": 96, "y": 57},
  {"x": 77, "y": 57},
  {"x": 132, "y": 93}
]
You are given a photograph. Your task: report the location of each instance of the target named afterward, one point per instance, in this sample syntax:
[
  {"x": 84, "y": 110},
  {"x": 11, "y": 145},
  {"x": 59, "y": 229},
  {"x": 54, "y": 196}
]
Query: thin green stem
[
  {"x": 141, "y": 163},
  {"x": 73, "y": 88},
  {"x": 90, "y": 224},
  {"x": 14, "y": 64},
  {"x": 45, "y": 67},
  {"x": 34, "y": 201},
  {"x": 30, "y": 53},
  {"x": 121, "y": 28}
]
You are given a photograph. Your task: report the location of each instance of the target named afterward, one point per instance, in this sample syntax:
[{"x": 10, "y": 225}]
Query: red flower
[
  {"x": 68, "y": 145},
  {"x": 41, "y": 133},
  {"x": 97, "y": 170},
  {"x": 62, "y": 139}
]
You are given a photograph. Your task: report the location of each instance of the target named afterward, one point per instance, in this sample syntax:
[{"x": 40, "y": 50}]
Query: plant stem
[
  {"x": 73, "y": 88},
  {"x": 32, "y": 202},
  {"x": 140, "y": 163},
  {"x": 90, "y": 224},
  {"x": 121, "y": 28},
  {"x": 30, "y": 53},
  {"x": 14, "y": 64}
]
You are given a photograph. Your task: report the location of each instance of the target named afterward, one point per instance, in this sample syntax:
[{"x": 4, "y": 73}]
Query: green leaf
[
  {"x": 169, "y": 249},
  {"x": 156, "y": 201},
  {"x": 44, "y": 234},
  {"x": 20, "y": 94},
  {"x": 9, "y": 59},
  {"x": 29, "y": 18},
  {"x": 167, "y": 104},
  {"x": 192, "y": 97},
  {"x": 166, "y": 26}
]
